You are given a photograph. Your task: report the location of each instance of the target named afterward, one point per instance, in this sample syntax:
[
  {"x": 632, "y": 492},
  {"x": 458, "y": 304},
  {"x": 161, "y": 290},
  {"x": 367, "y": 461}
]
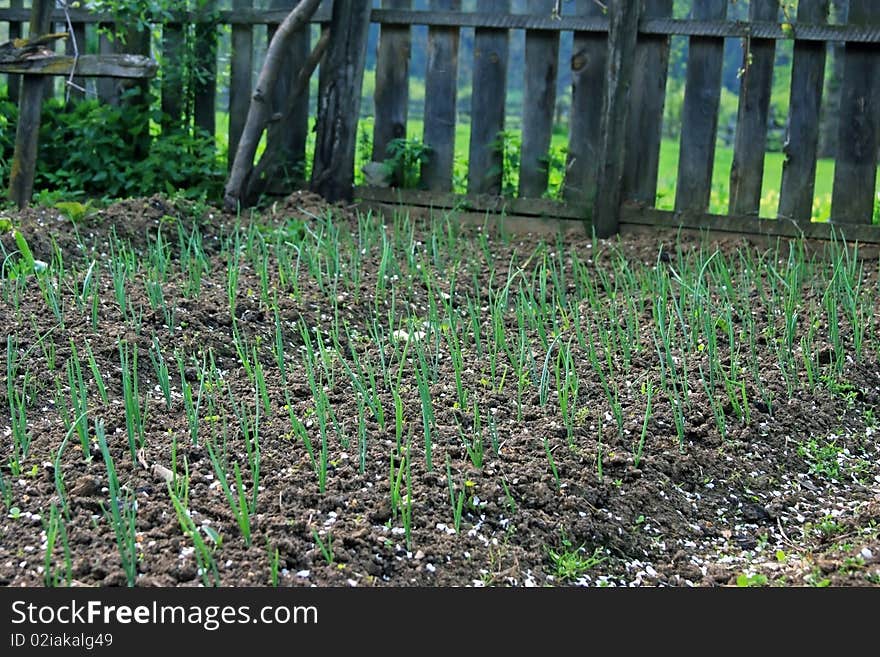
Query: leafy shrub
[{"x": 95, "y": 150}]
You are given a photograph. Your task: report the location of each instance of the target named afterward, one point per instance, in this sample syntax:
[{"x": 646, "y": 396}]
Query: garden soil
[{"x": 745, "y": 509}]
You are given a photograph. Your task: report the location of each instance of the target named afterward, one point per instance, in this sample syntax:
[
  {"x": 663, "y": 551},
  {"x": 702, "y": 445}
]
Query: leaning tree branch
[
  {"x": 265, "y": 170},
  {"x": 259, "y": 112}
]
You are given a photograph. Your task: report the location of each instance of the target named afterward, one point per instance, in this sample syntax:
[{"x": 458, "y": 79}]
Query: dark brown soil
[{"x": 712, "y": 511}]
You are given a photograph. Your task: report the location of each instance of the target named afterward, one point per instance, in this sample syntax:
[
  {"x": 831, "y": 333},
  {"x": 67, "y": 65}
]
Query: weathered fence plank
[
  {"x": 622, "y": 38},
  {"x": 756, "y": 83},
  {"x": 855, "y": 173},
  {"x": 292, "y": 134},
  {"x": 647, "y": 100},
  {"x": 588, "y": 66},
  {"x": 488, "y": 96},
  {"x": 134, "y": 67},
  {"x": 539, "y": 92},
  {"x": 76, "y": 44},
  {"x": 24, "y": 160},
  {"x": 240, "y": 78},
  {"x": 392, "y": 86},
  {"x": 106, "y": 88},
  {"x": 205, "y": 83},
  {"x": 441, "y": 94},
  {"x": 660, "y": 26},
  {"x": 339, "y": 100},
  {"x": 700, "y": 113},
  {"x": 14, "y": 81},
  {"x": 801, "y": 144},
  {"x": 173, "y": 44}
]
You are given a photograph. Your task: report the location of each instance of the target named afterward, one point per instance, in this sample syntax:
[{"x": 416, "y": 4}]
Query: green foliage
[
  {"x": 570, "y": 562},
  {"x": 743, "y": 580},
  {"x": 89, "y": 149},
  {"x": 405, "y": 158},
  {"x": 822, "y": 458}
]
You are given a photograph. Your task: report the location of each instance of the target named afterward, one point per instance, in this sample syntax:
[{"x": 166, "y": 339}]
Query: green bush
[{"x": 90, "y": 149}]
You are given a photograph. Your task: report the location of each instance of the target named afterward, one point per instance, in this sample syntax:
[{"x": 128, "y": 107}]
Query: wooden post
[
  {"x": 622, "y": 37},
  {"x": 441, "y": 93},
  {"x": 294, "y": 132},
  {"x": 106, "y": 88},
  {"x": 24, "y": 161},
  {"x": 79, "y": 38},
  {"x": 173, "y": 44},
  {"x": 855, "y": 173},
  {"x": 699, "y": 116},
  {"x": 802, "y": 141},
  {"x": 392, "y": 86},
  {"x": 488, "y": 96},
  {"x": 240, "y": 78},
  {"x": 205, "y": 83},
  {"x": 645, "y": 129},
  {"x": 14, "y": 81},
  {"x": 588, "y": 67},
  {"x": 539, "y": 106},
  {"x": 339, "y": 100},
  {"x": 756, "y": 83}
]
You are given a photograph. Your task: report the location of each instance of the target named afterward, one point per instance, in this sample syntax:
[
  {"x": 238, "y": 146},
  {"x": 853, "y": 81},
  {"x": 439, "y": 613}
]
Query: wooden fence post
[
  {"x": 173, "y": 44},
  {"x": 756, "y": 83},
  {"x": 294, "y": 133},
  {"x": 648, "y": 97},
  {"x": 441, "y": 93},
  {"x": 79, "y": 38},
  {"x": 205, "y": 83},
  {"x": 622, "y": 37},
  {"x": 802, "y": 141},
  {"x": 14, "y": 81},
  {"x": 24, "y": 161},
  {"x": 339, "y": 100},
  {"x": 699, "y": 115},
  {"x": 488, "y": 96},
  {"x": 539, "y": 106},
  {"x": 588, "y": 67},
  {"x": 392, "y": 86},
  {"x": 855, "y": 173},
  {"x": 240, "y": 78},
  {"x": 106, "y": 88}
]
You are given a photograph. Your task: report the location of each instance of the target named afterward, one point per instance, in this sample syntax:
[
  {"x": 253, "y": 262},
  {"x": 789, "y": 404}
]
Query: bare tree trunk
[
  {"x": 260, "y": 112},
  {"x": 339, "y": 100}
]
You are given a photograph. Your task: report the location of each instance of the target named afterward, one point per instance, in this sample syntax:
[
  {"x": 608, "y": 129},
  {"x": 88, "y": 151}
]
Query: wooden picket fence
[{"x": 619, "y": 69}]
